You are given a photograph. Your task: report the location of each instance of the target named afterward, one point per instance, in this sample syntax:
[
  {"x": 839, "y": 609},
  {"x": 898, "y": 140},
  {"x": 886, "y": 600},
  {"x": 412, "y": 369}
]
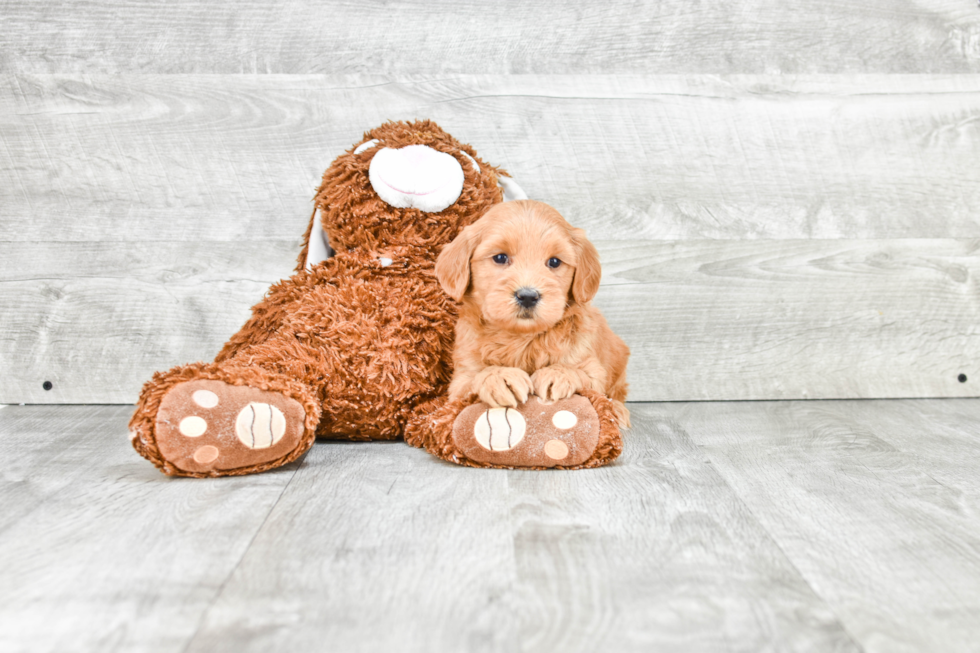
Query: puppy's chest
[{"x": 526, "y": 355}]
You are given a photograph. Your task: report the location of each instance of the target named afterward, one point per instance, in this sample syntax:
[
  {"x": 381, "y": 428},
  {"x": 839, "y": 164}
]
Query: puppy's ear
[
  {"x": 588, "y": 272},
  {"x": 453, "y": 264}
]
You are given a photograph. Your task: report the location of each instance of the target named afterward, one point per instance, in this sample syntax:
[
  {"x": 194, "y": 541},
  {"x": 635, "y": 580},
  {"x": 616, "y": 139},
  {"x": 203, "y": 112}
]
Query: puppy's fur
[{"x": 506, "y": 351}]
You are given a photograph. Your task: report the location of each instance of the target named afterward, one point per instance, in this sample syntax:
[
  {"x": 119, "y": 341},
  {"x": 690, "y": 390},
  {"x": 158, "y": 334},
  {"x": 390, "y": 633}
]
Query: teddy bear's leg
[
  {"x": 574, "y": 433},
  {"x": 223, "y": 420}
]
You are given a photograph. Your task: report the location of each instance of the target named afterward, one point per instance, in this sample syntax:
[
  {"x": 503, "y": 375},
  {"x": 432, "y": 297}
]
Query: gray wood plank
[
  {"x": 380, "y": 547},
  {"x": 947, "y": 449},
  {"x": 656, "y": 553},
  {"x": 98, "y": 550},
  {"x": 96, "y": 319},
  {"x": 105, "y": 168},
  {"x": 374, "y": 547},
  {"x": 745, "y": 526},
  {"x": 204, "y": 157},
  {"x": 511, "y": 37},
  {"x": 893, "y": 549},
  {"x": 705, "y": 319},
  {"x": 796, "y": 319}
]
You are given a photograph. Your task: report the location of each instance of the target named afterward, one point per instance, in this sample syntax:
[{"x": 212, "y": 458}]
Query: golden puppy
[{"x": 525, "y": 278}]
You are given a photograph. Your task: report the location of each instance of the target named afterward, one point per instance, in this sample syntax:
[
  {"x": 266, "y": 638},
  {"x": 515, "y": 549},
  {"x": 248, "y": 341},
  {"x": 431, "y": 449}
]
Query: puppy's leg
[
  {"x": 622, "y": 413},
  {"x": 557, "y": 382},
  {"x": 617, "y": 393},
  {"x": 503, "y": 387},
  {"x": 461, "y": 387}
]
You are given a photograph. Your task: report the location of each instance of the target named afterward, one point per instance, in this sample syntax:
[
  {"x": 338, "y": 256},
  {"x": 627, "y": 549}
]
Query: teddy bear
[{"x": 357, "y": 343}]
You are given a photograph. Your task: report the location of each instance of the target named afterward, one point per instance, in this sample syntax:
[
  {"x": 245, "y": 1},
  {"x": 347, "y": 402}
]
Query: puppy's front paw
[
  {"x": 503, "y": 387},
  {"x": 556, "y": 382}
]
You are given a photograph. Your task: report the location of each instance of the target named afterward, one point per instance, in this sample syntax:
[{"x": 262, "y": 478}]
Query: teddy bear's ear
[
  {"x": 453, "y": 264},
  {"x": 511, "y": 190},
  {"x": 318, "y": 248}
]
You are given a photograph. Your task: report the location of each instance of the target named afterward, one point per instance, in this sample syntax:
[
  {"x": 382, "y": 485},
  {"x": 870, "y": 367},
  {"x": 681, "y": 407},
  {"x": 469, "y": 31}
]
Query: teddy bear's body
[
  {"x": 348, "y": 347},
  {"x": 371, "y": 334}
]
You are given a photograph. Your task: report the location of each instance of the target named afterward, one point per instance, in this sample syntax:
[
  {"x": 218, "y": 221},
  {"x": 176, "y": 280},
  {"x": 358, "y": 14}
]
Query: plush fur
[
  {"x": 143, "y": 421},
  {"x": 432, "y": 428},
  {"x": 361, "y": 345}
]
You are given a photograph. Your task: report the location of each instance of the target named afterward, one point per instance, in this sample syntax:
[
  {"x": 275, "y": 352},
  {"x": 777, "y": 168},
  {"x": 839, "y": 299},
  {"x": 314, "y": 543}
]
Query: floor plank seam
[
  {"x": 231, "y": 573},
  {"x": 780, "y": 548}
]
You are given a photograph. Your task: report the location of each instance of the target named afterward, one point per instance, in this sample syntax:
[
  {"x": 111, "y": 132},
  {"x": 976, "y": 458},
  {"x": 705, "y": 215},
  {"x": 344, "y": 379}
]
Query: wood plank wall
[{"x": 786, "y": 197}]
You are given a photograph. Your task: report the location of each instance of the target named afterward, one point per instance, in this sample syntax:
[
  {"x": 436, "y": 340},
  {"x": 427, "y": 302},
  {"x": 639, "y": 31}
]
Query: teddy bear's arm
[{"x": 270, "y": 313}]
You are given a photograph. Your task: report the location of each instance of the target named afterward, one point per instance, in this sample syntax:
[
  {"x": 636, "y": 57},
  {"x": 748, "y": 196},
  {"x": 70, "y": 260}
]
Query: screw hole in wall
[
  {"x": 47, "y": 385},
  {"x": 961, "y": 378}
]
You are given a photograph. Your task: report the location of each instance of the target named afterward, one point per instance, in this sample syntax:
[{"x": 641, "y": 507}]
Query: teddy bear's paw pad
[
  {"x": 259, "y": 425},
  {"x": 564, "y": 433},
  {"x": 499, "y": 429},
  {"x": 205, "y": 426}
]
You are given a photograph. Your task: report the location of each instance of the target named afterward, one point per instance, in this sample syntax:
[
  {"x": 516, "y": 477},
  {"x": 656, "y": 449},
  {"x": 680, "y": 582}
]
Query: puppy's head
[{"x": 522, "y": 265}]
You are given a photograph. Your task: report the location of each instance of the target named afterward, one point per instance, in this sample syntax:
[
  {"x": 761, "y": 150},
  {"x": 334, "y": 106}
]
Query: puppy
[{"x": 525, "y": 279}]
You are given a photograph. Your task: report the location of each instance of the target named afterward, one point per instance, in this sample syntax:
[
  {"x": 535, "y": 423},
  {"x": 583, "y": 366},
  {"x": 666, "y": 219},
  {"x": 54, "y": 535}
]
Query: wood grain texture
[
  {"x": 655, "y": 553},
  {"x": 201, "y": 157},
  {"x": 844, "y": 489},
  {"x": 376, "y": 547},
  {"x": 146, "y": 213},
  {"x": 414, "y": 554},
  {"x": 704, "y": 319},
  {"x": 98, "y": 550},
  {"x": 737, "y": 526},
  {"x": 948, "y": 450},
  {"x": 510, "y": 37},
  {"x": 795, "y": 319},
  {"x": 97, "y": 319}
]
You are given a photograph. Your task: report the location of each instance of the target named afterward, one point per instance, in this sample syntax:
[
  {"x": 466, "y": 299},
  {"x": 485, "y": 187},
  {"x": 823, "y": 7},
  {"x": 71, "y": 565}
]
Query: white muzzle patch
[{"x": 416, "y": 177}]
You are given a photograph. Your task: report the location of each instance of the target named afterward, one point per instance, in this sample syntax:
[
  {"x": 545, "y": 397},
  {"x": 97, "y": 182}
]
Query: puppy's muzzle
[{"x": 527, "y": 298}]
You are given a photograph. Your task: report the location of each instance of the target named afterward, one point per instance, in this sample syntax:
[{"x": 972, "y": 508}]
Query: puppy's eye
[
  {"x": 553, "y": 262},
  {"x": 500, "y": 259}
]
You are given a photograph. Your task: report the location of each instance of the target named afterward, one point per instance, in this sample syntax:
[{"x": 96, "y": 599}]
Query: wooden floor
[{"x": 740, "y": 526}]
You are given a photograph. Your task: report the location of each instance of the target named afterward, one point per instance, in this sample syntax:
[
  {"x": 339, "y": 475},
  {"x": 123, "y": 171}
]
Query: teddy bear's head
[{"x": 404, "y": 184}]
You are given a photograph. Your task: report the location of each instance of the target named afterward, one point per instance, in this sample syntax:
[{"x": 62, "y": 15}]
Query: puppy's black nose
[{"x": 527, "y": 297}]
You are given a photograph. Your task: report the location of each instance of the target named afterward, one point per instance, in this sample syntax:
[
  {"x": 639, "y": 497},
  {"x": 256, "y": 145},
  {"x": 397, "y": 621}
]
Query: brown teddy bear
[{"x": 356, "y": 346}]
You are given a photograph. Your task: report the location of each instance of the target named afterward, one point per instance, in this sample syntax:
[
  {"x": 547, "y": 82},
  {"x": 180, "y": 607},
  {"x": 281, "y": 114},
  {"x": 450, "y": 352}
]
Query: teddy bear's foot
[
  {"x": 214, "y": 428},
  {"x": 565, "y": 433}
]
